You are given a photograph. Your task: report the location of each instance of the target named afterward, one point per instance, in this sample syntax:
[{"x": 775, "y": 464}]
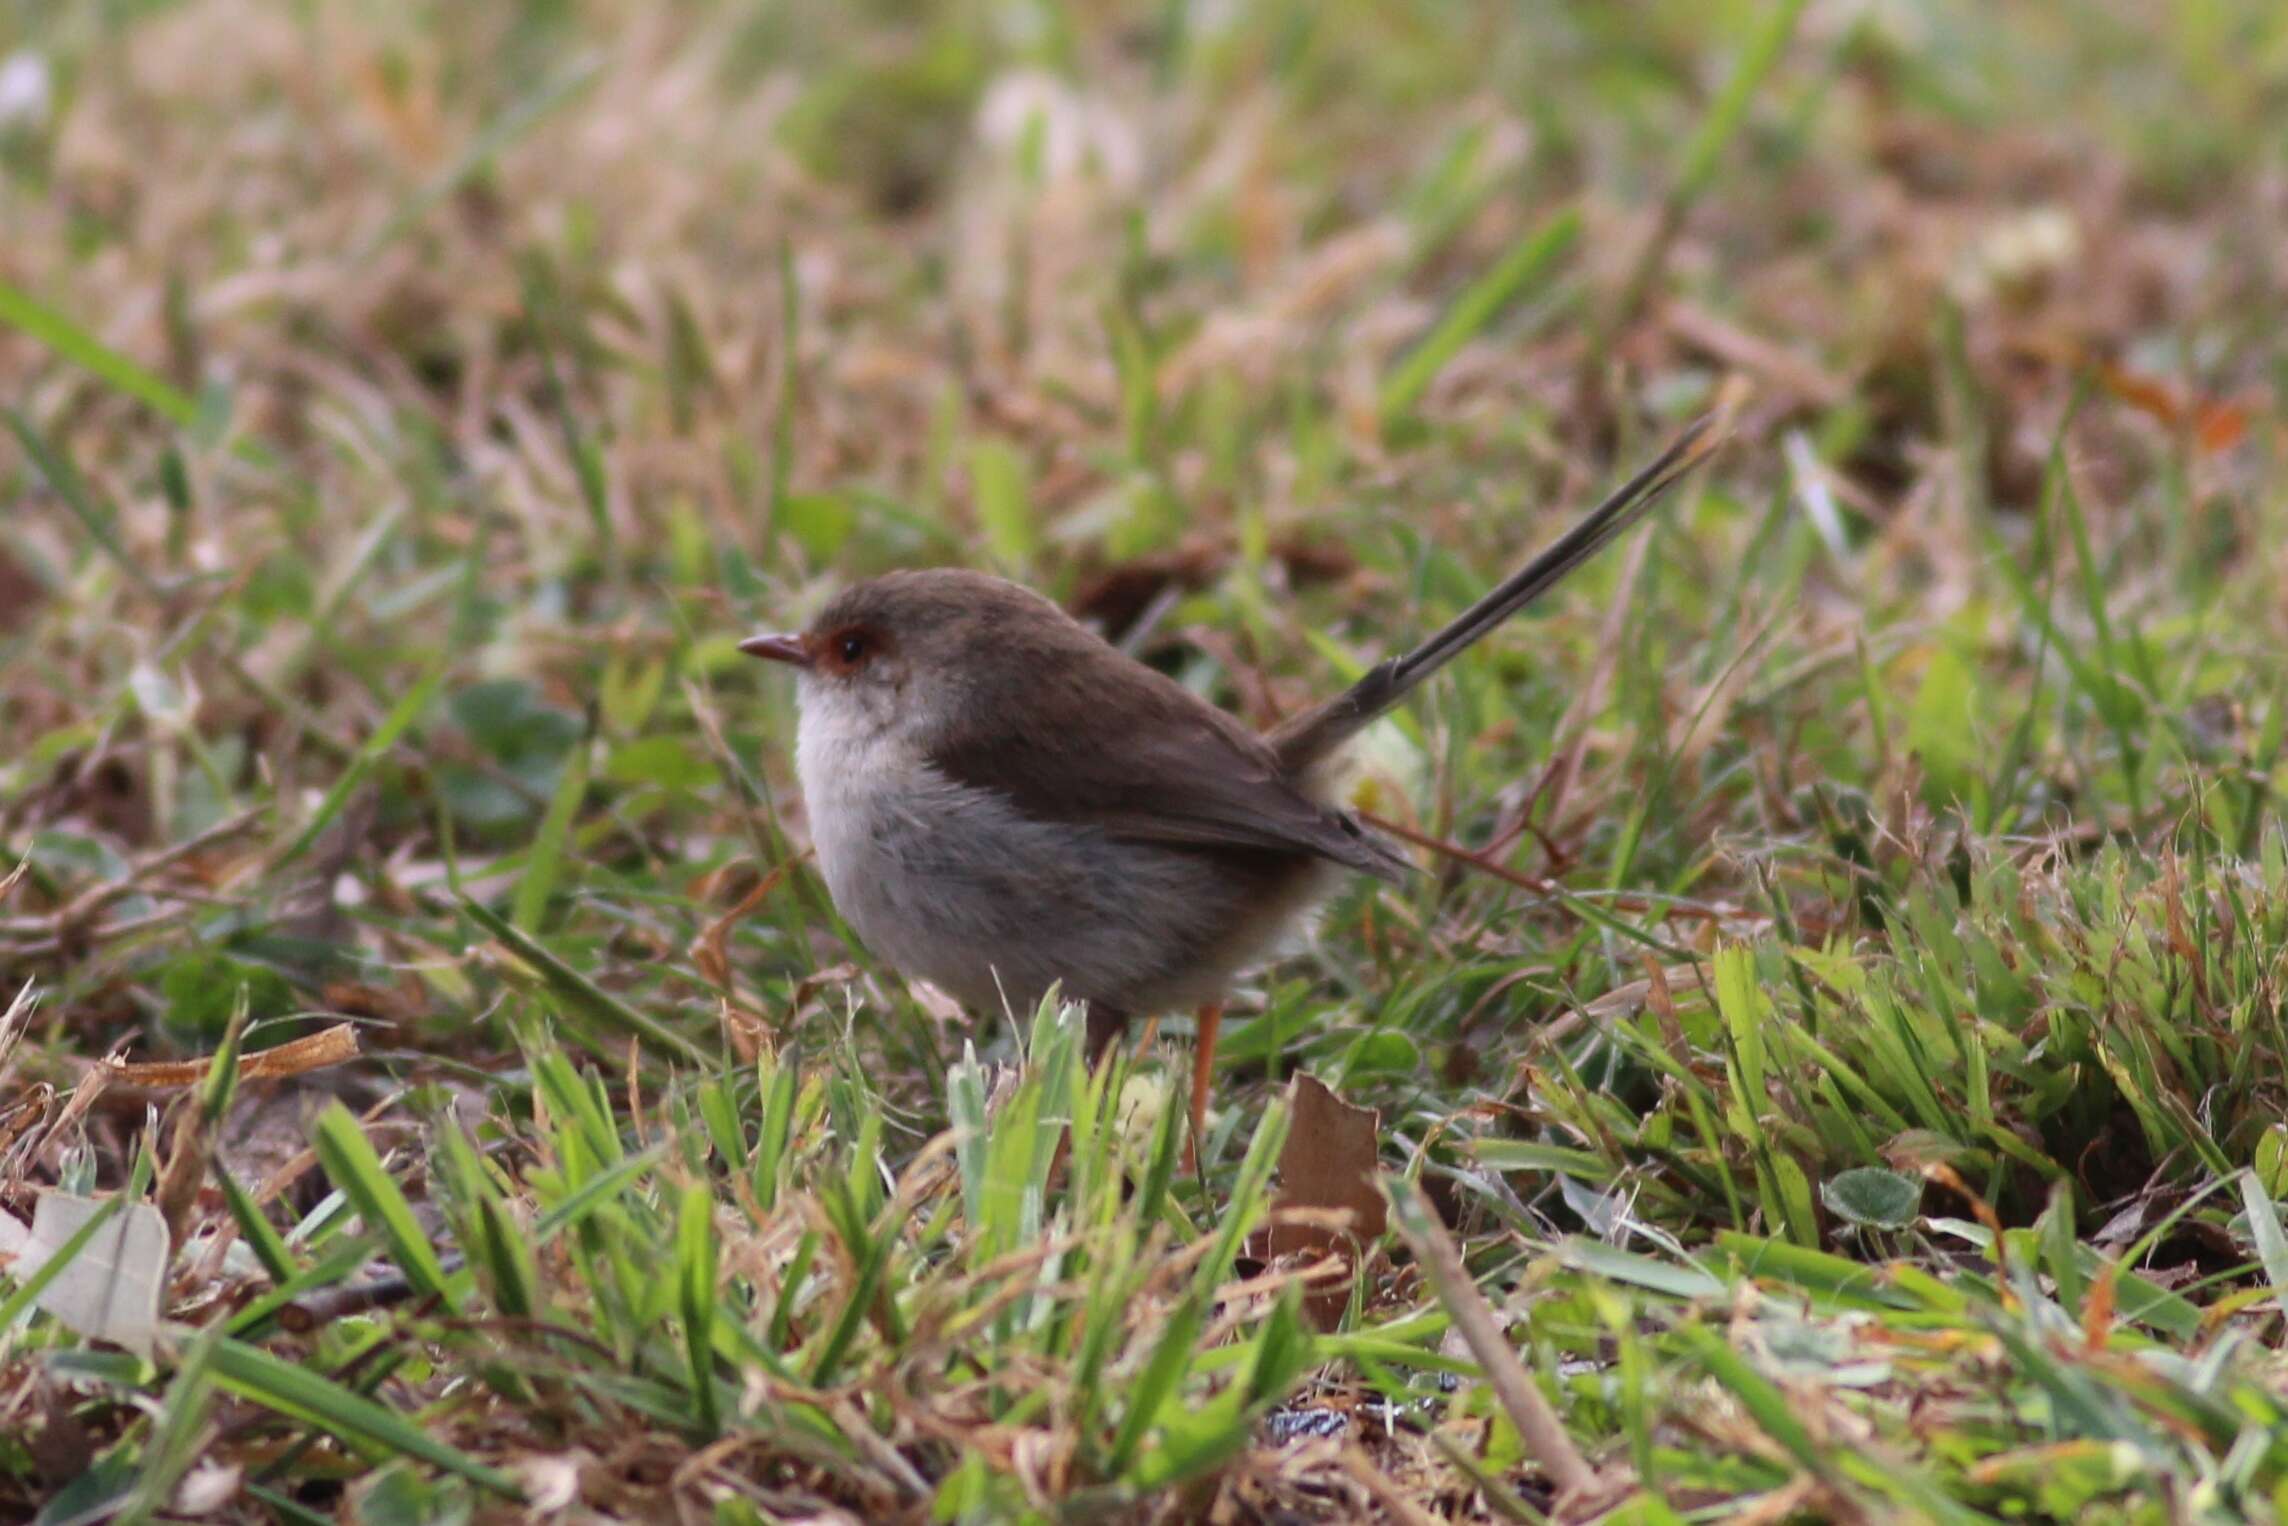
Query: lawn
[{"x": 1833, "y": 1063}]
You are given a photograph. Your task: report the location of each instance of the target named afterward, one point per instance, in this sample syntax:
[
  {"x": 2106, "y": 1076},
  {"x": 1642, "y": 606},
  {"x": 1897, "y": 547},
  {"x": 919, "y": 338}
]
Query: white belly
[{"x": 954, "y": 885}]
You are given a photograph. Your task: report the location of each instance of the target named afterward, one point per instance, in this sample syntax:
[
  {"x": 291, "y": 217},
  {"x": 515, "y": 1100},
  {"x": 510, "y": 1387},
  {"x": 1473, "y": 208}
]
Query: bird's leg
[{"x": 1203, "y": 1068}]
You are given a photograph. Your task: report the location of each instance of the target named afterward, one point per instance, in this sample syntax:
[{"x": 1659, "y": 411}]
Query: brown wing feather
[{"x": 1168, "y": 768}]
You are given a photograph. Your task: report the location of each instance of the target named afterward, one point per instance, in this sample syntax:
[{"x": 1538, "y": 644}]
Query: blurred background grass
[{"x": 410, "y": 406}]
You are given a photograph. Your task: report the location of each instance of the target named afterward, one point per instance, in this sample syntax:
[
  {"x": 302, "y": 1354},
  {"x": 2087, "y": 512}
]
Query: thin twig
[
  {"x": 54, "y": 927},
  {"x": 326, "y": 1305},
  {"x": 1537, "y": 1423},
  {"x": 1535, "y": 883}
]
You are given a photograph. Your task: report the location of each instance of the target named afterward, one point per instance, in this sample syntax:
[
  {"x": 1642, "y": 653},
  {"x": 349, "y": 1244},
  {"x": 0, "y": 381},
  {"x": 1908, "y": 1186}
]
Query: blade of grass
[
  {"x": 579, "y": 991},
  {"x": 401, "y": 717},
  {"x": 1479, "y": 304},
  {"x": 2271, "y": 1243},
  {"x": 36, "y": 320},
  {"x": 301, "y": 1394},
  {"x": 695, "y": 1281},
  {"x": 355, "y": 1170},
  {"x": 1696, "y": 166},
  {"x": 67, "y": 484},
  {"x": 268, "y": 1245},
  {"x": 179, "y": 1432},
  {"x": 545, "y": 860}
]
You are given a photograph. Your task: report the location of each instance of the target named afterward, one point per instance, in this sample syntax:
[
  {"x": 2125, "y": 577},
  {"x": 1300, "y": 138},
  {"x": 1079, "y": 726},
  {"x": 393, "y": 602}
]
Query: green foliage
[{"x": 1858, "y": 1081}]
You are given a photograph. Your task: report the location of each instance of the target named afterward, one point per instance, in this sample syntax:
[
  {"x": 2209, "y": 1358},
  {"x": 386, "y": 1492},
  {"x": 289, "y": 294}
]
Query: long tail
[{"x": 1308, "y": 738}]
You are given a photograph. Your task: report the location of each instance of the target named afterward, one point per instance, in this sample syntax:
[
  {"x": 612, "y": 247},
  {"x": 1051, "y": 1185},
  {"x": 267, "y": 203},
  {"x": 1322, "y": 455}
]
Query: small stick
[
  {"x": 1537, "y": 1423},
  {"x": 53, "y": 927},
  {"x": 1533, "y": 882}
]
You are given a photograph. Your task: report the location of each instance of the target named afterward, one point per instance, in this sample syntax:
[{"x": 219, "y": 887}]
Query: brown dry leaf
[
  {"x": 936, "y": 1005},
  {"x": 552, "y": 1482},
  {"x": 1328, "y": 1167},
  {"x": 743, "y": 1024},
  {"x": 83, "y": 1098},
  {"x": 2097, "y": 1313},
  {"x": 399, "y": 1003},
  {"x": 1662, "y": 1004},
  {"x": 329, "y": 1046},
  {"x": 189, "y": 1147},
  {"x": 709, "y": 950},
  {"x": 2216, "y": 425},
  {"x": 1116, "y": 596}
]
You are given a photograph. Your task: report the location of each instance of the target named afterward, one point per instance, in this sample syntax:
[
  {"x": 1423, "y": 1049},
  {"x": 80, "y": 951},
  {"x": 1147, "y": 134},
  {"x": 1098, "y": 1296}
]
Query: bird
[{"x": 1002, "y": 803}]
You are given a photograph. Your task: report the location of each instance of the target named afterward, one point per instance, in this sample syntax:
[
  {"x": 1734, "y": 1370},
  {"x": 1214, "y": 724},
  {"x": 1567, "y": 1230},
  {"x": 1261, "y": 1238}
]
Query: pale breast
[{"x": 954, "y": 885}]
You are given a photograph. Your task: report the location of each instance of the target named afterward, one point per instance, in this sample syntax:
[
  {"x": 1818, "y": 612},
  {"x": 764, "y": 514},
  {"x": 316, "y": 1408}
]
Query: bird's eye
[{"x": 852, "y": 646}]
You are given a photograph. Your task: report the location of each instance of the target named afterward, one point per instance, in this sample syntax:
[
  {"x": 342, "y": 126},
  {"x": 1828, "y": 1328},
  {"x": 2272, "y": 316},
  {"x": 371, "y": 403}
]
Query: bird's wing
[{"x": 1176, "y": 770}]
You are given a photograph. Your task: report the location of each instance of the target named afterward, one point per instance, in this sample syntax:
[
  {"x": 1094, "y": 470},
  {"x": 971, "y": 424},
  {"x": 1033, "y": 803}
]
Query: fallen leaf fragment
[
  {"x": 329, "y": 1046},
  {"x": 2216, "y": 425},
  {"x": 1327, "y": 1179},
  {"x": 109, "y": 1290}
]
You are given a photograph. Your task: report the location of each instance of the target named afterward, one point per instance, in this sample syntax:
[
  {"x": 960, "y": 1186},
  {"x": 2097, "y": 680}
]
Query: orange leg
[{"x": 1203, "y": 1069}]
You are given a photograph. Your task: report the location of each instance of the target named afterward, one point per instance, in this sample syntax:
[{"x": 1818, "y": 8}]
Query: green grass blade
[
  {"x": 695, "y": 1283},
  {"x": 36, "y": 320},
  {"x": 297, "y": 1392},
  {"x": 581, "y": 993},
  {"x": 1528, "y": 261},
  {"x": 2271, "y": 1243},
  {"x": 356, "y": 1172},
  {"x": 66, "y": 482},
  {"x": 254, "y": 1226},
  {"x": 408, "y": 709},
  {"x": 544, "y": 862}
]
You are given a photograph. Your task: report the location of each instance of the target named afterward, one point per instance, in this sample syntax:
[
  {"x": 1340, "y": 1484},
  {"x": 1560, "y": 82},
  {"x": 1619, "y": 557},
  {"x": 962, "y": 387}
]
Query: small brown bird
[{"x": 1001, "y": 800}]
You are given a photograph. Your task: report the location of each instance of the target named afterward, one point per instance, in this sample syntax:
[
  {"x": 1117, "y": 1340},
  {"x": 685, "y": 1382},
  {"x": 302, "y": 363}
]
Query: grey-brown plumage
[{"x": 1001, "y": 800}]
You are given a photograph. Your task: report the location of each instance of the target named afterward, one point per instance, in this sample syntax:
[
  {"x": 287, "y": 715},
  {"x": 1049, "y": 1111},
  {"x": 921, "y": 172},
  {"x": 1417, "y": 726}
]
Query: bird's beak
[{"x": 787, "y": 649}]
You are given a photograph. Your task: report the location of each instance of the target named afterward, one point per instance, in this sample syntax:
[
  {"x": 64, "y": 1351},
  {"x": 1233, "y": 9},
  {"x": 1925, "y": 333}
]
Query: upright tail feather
[{"x": 1314, "y": 735}]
